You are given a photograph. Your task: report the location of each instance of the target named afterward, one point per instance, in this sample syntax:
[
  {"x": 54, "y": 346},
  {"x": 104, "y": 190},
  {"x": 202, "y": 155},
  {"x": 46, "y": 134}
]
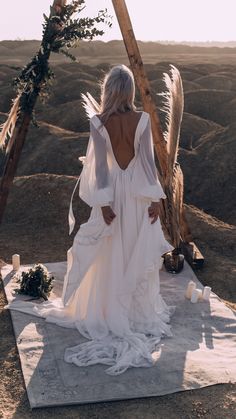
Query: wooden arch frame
[{"x": 171, "y": 176}]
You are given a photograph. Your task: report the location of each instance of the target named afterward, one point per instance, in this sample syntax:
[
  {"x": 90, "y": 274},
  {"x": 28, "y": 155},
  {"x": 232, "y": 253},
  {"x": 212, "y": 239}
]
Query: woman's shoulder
[
  {"x": 142, "y": 115},
  {"x": 146, "y": 115},
  {"x": 95, "y": 117},
  {"x": 95, "y": 120},
  {"x": 143, "y": 119}
]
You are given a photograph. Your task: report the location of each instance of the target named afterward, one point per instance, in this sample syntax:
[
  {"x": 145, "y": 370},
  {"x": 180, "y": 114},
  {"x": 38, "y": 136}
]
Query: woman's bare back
[{"x": 121, "y": 129}]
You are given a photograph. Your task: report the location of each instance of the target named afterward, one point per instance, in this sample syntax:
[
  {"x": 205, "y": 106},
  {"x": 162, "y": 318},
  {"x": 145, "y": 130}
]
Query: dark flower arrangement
[{"x": 36, "y": 282}]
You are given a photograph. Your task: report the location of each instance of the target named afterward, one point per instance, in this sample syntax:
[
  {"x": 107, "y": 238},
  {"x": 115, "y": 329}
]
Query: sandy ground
[{"x": 216, "y": 402}]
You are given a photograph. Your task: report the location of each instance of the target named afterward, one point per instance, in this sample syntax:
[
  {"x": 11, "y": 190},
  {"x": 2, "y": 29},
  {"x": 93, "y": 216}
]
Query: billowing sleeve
[
  {"x": 145, "y": 180},
  {"x": 95, "y": 185}
]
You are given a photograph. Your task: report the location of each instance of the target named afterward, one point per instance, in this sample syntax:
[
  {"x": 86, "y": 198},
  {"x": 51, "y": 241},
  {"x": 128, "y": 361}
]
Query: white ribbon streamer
[{"x": 71, "y": 218}]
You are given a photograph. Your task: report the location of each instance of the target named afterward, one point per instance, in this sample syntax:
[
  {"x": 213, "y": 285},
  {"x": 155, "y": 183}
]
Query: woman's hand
[
  {"x": 108, "y": 214},
  {"x": 154, "y": 211}
]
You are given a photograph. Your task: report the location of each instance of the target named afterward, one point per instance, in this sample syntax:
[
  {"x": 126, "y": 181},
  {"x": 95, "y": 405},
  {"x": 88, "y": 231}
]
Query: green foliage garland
[{"x": 60, "y": 32}]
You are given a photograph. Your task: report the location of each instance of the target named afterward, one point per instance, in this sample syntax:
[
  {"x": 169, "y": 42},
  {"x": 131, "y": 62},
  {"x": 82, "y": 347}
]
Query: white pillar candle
[
  {"x": 191, "y": 286},
  {"x": 206, "y": 293},
  {"x": 16, "y": 262},
  {"x": 196, "y": 295}
]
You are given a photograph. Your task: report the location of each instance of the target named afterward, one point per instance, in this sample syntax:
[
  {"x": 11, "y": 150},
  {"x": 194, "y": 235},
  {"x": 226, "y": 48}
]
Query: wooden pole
[
  {"x": 142, "y": 82},
  {"x": 18, "y": 139},
  {"x": 171, "y": 213},
  {"x": 148, "y": 103}
]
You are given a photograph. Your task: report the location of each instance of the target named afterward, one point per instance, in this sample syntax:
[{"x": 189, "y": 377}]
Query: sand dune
[
  {"x": 208, "y": 103},
  {"x": 193, "y": 128},
  {"x": 210, "y": 174},
  {"x": 216, "y": 82},
  {"x": 50, "y": 149}
]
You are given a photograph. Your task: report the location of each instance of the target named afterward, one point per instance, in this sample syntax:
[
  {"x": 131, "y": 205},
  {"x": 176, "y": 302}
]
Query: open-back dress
[{"x": 111, "y": 290}]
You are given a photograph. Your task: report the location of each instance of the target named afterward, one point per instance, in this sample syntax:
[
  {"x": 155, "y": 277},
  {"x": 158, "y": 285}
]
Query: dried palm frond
[
  {"x": 90, "y": 105},
  {"x": 8, "y": 126},
  {"x": 173, "y": 107}
]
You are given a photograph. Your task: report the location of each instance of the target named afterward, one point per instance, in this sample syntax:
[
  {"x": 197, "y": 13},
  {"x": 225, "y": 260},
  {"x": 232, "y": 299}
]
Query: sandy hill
[
  {"x": 209, "y": 171},
  {"x": 210, "y": 104},
  {"x": 207, "y": 153},
  {"x": 19, "y": 52},
  {"x": 20, "y": 48}
]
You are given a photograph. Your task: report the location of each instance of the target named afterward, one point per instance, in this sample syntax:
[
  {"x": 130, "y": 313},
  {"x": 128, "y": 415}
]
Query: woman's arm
[
  {"x": 102, "y": 172},
  {"x": 147, "y": 154},
  {"x": 101, "y": 167},
  {"x": 149, "y": 167},
  {"x": 151, "y": 187}
]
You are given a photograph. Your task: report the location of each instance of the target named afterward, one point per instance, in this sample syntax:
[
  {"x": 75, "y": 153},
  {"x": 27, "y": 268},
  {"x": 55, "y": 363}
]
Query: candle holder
[{"x": 174, "y": 261}]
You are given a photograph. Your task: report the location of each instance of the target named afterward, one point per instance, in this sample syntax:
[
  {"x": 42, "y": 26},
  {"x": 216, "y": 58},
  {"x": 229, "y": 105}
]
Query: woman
[{"x": 111, "y": 289}]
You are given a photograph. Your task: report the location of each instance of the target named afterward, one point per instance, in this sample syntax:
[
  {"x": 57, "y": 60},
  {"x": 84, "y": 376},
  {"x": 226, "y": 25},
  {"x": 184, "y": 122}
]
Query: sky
[{"x": 153, "y": 20}]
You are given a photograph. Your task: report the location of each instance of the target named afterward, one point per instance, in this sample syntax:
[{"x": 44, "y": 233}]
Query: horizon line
[{"x": 18, "y": 39}]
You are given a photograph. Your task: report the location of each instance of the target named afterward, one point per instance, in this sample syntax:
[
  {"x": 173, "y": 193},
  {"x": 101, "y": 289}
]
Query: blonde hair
[{"x": 117, "y": 94}]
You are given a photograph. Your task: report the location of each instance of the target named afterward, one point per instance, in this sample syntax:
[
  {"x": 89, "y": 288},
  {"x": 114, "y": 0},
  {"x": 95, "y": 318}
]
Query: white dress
[{"x": 111, "y": 290}]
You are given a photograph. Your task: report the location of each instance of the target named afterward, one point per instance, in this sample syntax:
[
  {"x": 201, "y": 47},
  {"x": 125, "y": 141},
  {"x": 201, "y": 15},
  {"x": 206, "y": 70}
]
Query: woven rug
[{"x": 201, "y": 352}]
